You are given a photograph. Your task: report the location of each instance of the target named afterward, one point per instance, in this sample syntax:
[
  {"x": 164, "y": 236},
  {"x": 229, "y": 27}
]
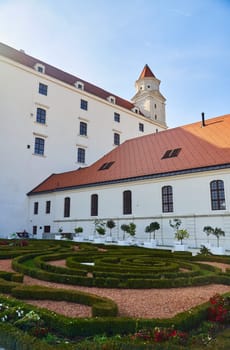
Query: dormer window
[
  {"x": 79, "y": 85},
  {"x": 39, "y": 68},
  {"x": 136, "y": 110},
  {"x": 111, "y": 99}
]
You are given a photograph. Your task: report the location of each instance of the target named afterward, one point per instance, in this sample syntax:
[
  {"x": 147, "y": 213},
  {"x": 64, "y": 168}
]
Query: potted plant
[
  {"x": 77, "y": 231},
  {"x": 130, "y": 229},
  {"x": 110, "y": 224},
  {"x": 179, "y": 234},
  {"x": 100, "y": 229},
  {"x": 152, "y": 227},
  {"x": 218, "y": 232},
  {"x": 208, "y": 230}
]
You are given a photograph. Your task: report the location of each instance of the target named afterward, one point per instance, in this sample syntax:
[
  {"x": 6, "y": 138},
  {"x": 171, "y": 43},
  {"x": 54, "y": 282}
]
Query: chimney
[{"x": 203, "y": 120}]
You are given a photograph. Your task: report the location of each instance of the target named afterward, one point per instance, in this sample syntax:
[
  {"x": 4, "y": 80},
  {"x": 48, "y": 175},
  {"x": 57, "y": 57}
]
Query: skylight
[
  {"x": 171, "y": 153},
  {"x": 106, "y": 166}
]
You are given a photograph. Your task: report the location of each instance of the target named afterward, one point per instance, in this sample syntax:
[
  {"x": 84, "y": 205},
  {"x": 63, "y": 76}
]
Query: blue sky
[{"x": 186, "y": 43}]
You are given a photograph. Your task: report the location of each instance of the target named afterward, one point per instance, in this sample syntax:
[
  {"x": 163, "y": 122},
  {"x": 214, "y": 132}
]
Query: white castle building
[{"x": 52, "y": 121}]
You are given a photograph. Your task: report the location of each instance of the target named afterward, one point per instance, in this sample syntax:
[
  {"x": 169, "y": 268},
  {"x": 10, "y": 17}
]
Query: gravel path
[{"x": 147, "y": 303}]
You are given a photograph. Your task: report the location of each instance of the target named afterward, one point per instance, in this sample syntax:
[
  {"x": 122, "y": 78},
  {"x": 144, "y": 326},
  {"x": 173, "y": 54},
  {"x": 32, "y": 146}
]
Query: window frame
[
  {"x": 36, "y": 208},
  {"x": 167, "y": 199},
  {"x": 67, "y": 203},
  {"x": 41, "y": 115},
  {"x": 43, "y": 89},
  {"x": 141, "y": 127},
  {"x": 83, "y": 128},
  {"x": 39, "y": 146},
  {"x": 84, "y": 105},
  {"x": 81, "y": 155},
  {"x": 117, "y": 117},
  {"x": 217, "y": 195},
  {"x": 116, "y": 139},
  {"x": 127, "y": 202},
  {"x": 94, "y": 204},
  {"x": 48, "y": 207}
]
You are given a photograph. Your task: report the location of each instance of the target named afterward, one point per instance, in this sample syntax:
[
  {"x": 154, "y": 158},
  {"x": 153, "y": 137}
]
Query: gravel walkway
[{"x": 147, "y": 303}]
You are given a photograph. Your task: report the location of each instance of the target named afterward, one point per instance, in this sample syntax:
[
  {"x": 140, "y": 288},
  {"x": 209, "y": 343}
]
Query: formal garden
[{"x": 128, "y": 268}]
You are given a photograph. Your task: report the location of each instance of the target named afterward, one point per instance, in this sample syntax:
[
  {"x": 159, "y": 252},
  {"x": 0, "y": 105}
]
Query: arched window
[
  {"x": 217, "y": 195},
  {"x": 66, "y": 207},
  {"x": 167, "y": 199},
  {"x": 94, "y": 205},
  {"x": 127, "y": 202}
]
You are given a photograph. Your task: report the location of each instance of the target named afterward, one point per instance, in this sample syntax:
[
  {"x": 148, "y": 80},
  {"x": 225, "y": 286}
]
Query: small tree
[
  {"x": 181, "y": 234},
  {"x": 218, "y": 232},
  {"x": 110, "y": 224},
  {"x": 125, "y": 228},
  {"x": 208, "y": 230},
  {"x": 129, "y": 228},
  {"x": 152, "y": 227},
  {"x": 99, "y": 226},
  {"x": 132, "y": 229},
  {"x": 78, "y": 230}
]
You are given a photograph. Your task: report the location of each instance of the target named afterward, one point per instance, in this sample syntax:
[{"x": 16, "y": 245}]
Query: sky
[{"x": 186, "y": 43}]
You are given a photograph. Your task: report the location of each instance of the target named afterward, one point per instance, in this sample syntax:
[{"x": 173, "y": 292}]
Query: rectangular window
[
  {"x": 47, "y": 229},
  {"x": 83, "y": 129},
  {"x": 127, "y": 202},
  {"x": 48, "y": 207},
  {"x": 117, "y": 117},
  {"x": 39, "y": 146},
  {"x": 116, "y": 139},
  {"x": 94, "y": 205},
  {"x": 35, "y": 229},
  {"x": 81, "y": 155},
  {"x": 84, "y": 105},
  {"x": 167, "y": 199},
  {"x": 141, "y": 127},
  {"x": 35, "y": 208},
  {"x": 43, "y": 89},
  {"x": 41, "y": 116},
  {"x": 67, "y": 207}
]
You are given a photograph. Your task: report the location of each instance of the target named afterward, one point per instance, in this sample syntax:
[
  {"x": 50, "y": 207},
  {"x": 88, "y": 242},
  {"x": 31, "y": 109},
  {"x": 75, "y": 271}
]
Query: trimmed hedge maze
[
  {"x": 121, "y": 267},
  {"x": 101, "y": 266}
]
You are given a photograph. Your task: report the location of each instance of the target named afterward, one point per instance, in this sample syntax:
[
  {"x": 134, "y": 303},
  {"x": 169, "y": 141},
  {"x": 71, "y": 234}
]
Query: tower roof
[{"x": 146, "y": 73}]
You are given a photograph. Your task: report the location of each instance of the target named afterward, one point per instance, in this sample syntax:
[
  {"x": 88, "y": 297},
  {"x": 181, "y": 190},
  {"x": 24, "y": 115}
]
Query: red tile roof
[
  {"x": 200, "y": 147},
  {"x": 24, "y": 59},
  {"x": 146, "y": 73}
]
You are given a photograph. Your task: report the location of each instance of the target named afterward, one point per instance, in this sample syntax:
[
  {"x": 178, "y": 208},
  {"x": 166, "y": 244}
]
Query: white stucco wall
[
  {"x": 191, "y": 197},
  {"x": 21, "y": 170}
]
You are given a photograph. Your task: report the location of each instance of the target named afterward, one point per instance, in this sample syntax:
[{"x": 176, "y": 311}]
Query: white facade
[
  {"x": 191, "y": 203},
  {"x": 21, "y": 167}
]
